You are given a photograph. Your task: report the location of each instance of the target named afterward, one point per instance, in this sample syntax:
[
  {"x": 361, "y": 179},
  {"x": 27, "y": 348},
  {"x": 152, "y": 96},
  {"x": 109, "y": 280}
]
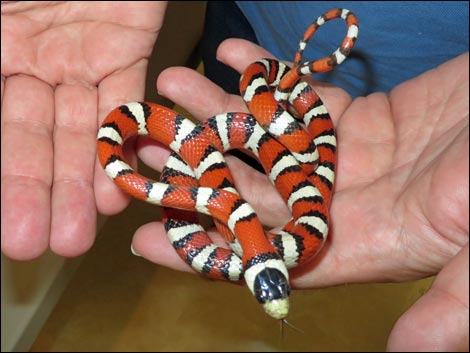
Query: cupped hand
[
  {"x": 400, "y": 210},
  {"x": 65, "y": 65}
]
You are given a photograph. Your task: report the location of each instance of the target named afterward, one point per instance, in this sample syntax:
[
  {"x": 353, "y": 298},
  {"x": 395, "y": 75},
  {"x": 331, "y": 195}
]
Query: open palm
[
  {"x": 65, "y": 65},
  {"x": 400, "y": 211}
]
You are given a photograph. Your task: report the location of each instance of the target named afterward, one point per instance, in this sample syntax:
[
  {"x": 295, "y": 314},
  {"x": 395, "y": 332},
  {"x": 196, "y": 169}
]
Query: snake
[{"x": 290, "y": 132}]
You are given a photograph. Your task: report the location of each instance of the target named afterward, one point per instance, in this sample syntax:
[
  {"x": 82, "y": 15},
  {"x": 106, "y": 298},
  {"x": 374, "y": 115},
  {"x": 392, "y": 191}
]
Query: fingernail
[{"x": 134, "y": 252}]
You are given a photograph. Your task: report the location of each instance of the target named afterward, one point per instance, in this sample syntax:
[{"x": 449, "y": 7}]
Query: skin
[
  {"x": 62, "y": 72},
  {"x": 402, "y": 180}
]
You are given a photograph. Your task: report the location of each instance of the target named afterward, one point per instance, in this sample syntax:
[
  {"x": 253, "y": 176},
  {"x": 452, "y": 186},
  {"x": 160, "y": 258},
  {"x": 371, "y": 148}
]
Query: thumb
[{"x": 438, "y": 321}]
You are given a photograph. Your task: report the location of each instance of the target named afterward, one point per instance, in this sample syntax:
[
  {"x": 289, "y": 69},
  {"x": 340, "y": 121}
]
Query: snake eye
[{"x": 270, "y": 284}]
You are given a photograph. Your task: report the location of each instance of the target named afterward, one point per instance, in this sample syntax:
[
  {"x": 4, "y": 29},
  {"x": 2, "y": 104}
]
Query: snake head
[
  {"x": 271, "y": 289},
  {"x": 270, "y": 286}
]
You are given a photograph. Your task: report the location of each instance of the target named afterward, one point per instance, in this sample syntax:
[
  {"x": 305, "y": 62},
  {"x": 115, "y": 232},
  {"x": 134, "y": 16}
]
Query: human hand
[
  {"x": 65, "y": 65},
  {"x": 400, "y": 210}
]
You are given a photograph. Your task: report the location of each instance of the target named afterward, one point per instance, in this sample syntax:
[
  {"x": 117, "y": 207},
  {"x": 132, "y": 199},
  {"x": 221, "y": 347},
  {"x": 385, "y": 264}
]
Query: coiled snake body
[{"x": 299, "y": 161}]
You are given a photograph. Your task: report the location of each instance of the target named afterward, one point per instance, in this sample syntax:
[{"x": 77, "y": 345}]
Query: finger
[
  {"x": 365, "y": 136},
  {"x": 438, "y": 321},
  {"x": 151, "y": 242},
  {"x": 115, "y": 90},
  {"x": 27, "y": 157},
  {"x": 73, "y": 224},
  {"x": 195, "y": 93},
  {"x": 239, "y": 53}
]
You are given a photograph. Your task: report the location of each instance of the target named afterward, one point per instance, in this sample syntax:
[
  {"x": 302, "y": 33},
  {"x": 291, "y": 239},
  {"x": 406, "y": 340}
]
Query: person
[{"x": 400, "y": 211}]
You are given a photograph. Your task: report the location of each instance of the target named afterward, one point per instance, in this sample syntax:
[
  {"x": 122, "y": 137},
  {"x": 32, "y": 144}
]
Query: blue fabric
[
  {"x": 397, "y": 40},
  {"x": 223, "y": 20}
]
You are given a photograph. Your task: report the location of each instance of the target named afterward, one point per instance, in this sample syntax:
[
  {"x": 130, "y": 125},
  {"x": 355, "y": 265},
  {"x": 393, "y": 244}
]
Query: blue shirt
[{"x": 397, "y": 40}]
